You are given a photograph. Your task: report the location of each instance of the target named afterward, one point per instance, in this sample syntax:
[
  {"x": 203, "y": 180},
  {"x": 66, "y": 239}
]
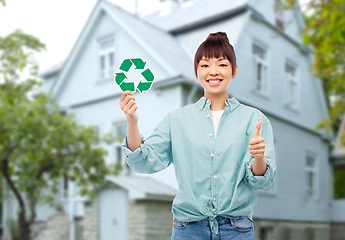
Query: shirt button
[
  {"x": 201, "y": 107},
  {"x": 231, "y": 108},
  {"x": 218, "y": 154},
  {"x": 210, "y": 134},
  {"x": 208, "y": 115},
  {"x": 214, "y": 199},
  {"x": 208, "y": 101},
  {"x": 215, "y": 176},
  {"x": 212, "y": 155}
]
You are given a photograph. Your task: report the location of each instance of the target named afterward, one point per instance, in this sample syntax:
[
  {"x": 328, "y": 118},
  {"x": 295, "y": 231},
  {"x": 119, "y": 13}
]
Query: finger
[
  {"x": 128, "y": 98},
  {"x": 124, "y": 94},
  {"x": 256, "y": 140},
  {"x": 129, "y": 105},
  {"x": 257, "y": 129},
  {"x": 132, "y": 109},
  {"x": 257, "y": 153},
  {"x": 256, "y": 146},
  {"x": 126, "y": 101}
]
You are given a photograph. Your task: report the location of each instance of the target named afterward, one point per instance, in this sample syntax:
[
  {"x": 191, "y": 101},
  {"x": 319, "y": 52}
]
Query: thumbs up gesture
[{"x": 256, "y": 144}]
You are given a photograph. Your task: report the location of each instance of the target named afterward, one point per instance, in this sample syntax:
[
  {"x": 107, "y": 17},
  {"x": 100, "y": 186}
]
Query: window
[
  {"x": 292, "y": 85},
  {"x": 311, "y": 177},
  {"x": 260, "y": 69},
  {"x": 63, "y": 187},
  {"x": 279, "y": 14},
  {"x": 339, "y": 184},
  {"x": 96, "y": 130},
  {"x": 120, "y": 131},
  {"x": 106, "y": 57}
]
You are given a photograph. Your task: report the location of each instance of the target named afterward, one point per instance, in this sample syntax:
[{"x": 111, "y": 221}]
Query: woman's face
[{"x": 215, "y": 75}]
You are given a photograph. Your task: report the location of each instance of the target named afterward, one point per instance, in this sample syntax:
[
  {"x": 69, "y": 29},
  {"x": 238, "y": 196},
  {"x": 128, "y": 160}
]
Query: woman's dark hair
[{"x": 216, "y": 45}]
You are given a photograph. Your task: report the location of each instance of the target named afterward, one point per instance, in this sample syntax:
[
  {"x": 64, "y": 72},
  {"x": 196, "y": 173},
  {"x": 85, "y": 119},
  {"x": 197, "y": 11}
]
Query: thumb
[{"x": 257, "y": 129}]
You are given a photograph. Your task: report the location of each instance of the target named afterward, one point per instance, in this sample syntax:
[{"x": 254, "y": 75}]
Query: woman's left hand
[{"x": 256, "y": 144}]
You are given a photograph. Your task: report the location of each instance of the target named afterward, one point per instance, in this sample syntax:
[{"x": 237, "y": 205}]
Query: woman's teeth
[{"x": 215, "y": 81}]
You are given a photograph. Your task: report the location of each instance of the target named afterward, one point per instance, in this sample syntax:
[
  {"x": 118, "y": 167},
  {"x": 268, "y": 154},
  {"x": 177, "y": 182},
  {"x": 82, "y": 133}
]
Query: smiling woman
[
  {"x": 215, "y": 76},
  {"x": 215, "y": 66},
  {"x": 221, "y": 150}
]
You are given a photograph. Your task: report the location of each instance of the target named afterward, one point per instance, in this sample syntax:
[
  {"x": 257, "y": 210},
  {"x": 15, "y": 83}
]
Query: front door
[{"x": 113, "y": 214}]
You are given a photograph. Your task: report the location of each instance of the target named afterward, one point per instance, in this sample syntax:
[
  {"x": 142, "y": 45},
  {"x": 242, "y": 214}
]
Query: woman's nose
[{"x": 213, "y": 71}]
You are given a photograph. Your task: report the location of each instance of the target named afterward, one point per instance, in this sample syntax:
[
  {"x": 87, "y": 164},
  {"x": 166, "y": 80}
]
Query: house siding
[
  {"x": 277, "y": 230},
  {"x": 91, "y": 220},
  {"x": 149, "y": 220}
]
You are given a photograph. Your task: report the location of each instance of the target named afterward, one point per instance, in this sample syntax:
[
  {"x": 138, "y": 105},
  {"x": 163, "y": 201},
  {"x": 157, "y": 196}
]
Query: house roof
[
  {"x": 142, "y": 187},
  {"x": 153, "y": 31},
  {"x": 196, "y": 13},
  {"x": 160, "y": 41},
  {"x": 52, "y": 70},
  {"x": 161, "y": 45}
]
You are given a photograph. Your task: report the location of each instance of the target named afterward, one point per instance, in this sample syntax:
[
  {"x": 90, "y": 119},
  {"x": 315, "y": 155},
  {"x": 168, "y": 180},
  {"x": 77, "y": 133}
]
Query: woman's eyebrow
[{"x": 208, "y": 59}]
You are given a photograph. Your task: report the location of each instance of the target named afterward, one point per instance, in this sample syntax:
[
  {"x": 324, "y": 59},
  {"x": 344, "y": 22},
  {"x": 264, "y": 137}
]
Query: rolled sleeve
[
  {"x": 259, "y": 182},
  {"x": 262, "y": 182},
  {"x": 154, "y": 153},
  {"x": 137, "y": 154}
]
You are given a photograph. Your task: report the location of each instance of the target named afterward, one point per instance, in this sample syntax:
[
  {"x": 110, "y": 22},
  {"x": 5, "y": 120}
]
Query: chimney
[{"x": 168, "y": 6}]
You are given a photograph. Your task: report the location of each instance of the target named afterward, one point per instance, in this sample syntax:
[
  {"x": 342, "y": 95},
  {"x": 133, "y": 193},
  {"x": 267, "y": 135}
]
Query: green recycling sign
[{"x": 143, "y": 86}]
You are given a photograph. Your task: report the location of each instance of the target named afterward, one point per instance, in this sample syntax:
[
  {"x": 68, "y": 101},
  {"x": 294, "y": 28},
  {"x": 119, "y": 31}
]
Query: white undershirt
[{"x": 216, "y": 115}]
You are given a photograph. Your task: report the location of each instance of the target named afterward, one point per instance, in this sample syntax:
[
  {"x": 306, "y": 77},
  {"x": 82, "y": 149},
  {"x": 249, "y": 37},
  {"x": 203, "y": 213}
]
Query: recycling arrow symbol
[{"x": 143, "y": 86}]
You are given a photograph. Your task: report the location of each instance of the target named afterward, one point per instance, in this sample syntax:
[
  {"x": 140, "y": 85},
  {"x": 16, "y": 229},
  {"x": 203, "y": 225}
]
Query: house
[{"x": 273, "y": 76}]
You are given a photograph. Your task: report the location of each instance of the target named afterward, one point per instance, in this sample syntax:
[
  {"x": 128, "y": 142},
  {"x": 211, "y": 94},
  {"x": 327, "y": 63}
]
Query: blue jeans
[{"x": 228, "y": 228}]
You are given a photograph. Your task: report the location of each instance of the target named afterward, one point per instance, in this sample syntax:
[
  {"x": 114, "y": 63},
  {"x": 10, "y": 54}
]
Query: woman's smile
[{"x": 214, "y": 81}]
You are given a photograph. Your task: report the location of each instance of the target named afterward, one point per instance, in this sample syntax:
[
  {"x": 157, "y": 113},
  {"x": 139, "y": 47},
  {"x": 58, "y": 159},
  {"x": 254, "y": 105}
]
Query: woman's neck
[{"x": 217, "y": 101}]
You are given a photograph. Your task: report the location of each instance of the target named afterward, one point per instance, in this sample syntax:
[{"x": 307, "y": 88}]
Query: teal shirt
[{"x": 213, "y": 174}]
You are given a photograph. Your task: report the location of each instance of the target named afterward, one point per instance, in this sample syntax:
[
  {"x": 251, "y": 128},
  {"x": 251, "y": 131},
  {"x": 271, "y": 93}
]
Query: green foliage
[
  {"x": 120, "y": 167},
  {"x": 325, "y": 31},
  {"x": 339, "y": 184},
  {"x": 17, "y": 51},
  {"x": 3, "y": 2},
  {"x": 38, "y": 145},
  {"x": 41, "y": 144}
]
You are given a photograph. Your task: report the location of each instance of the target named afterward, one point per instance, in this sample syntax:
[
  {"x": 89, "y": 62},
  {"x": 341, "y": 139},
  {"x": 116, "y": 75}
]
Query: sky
[{"x": 58, "y": 23}]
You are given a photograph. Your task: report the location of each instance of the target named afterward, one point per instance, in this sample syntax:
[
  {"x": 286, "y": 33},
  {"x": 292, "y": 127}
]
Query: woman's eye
[
  {"x": 204, "y": 65},
  {"x": 223, "y": 65}
]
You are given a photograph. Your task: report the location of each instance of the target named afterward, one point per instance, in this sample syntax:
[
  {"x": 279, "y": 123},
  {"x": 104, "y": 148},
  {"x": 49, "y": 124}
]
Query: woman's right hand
[{"x": 128, "y": 106}]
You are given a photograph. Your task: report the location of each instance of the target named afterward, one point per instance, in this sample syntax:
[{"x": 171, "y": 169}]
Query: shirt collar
[{"x": 233, "y": 103}]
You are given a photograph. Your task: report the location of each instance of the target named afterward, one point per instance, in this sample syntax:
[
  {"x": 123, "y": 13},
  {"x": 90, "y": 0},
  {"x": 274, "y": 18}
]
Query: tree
[
  {"x": 38, "y": 145},
  {"x": 325, "y": 32}
]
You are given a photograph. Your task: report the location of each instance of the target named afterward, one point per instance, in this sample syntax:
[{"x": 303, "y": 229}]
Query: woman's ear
[{"x": 235, "y": 72}]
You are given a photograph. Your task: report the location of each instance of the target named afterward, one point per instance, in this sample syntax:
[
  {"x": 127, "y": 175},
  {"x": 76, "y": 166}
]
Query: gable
[
  {"x": 233, "y": 26},
  {"x": 132, "y": 39},
  {"x": 292, "y": 18},
  {"x": 83, "y": 83}
]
